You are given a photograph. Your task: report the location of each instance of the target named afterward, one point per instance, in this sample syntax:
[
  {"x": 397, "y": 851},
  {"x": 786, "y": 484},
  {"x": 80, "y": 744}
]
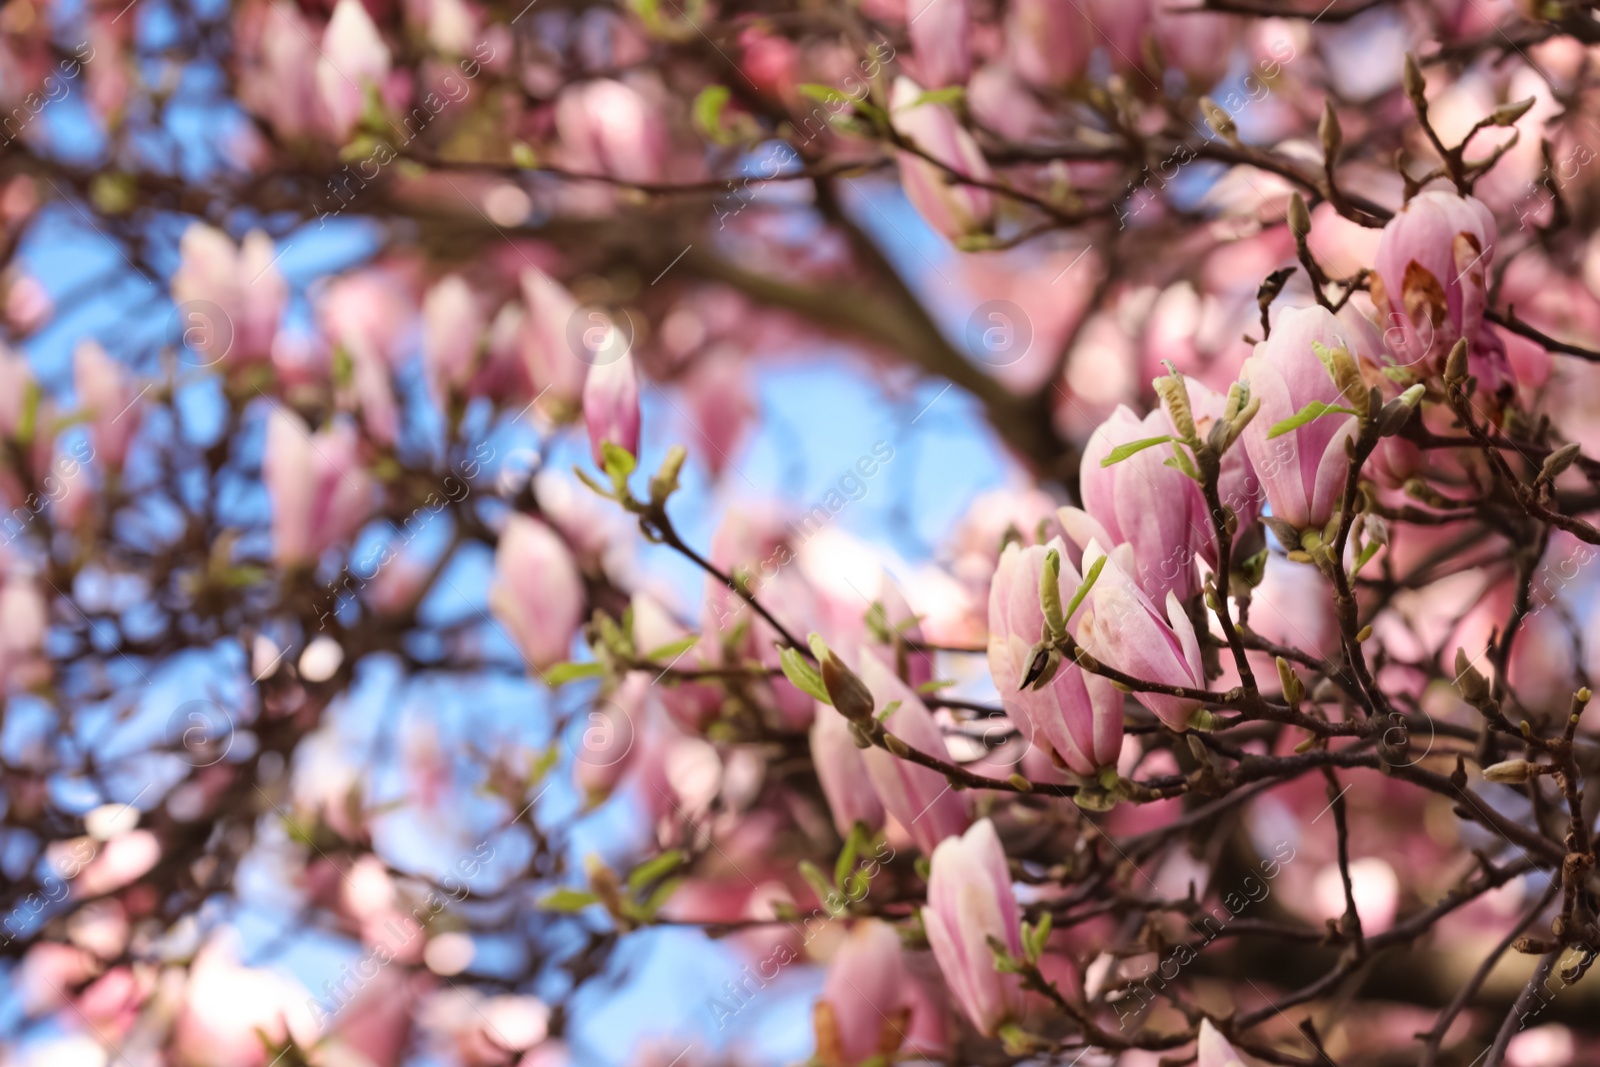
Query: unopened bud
[
  {"x": 1558, "y": 461},
  {"x": 1299, "y": 217},
  {"x": 1416, "y": 85},
  {"x": 1217, "y": 438},
  {"x": 1237, "y": 424},
  {"x": 1332, "y": 136},
  {"x": 1219, "y": 120},
  {"x": 1050, "y": 594},
  {"x": 896, "y": 746},
  {"x": 1474, "y": 686},
  {"x": 1346, "y": 374},
  {"x": 1455, "y": 366},
  {"x": 1509, "y": 772},
  {"x": 1021, "y": 784},
  {"x": 847, "y": 691},
  {"x": 605, "y": 885},
  {"x": 1417, "y": 489},
  {"x": 1042, "y": 667},
  {"x": 1175, "y": 394},
  {"x": 1508, "y": 114},
  {"x": 1293, "y": 689},
  {"x": 664, "y": 482},
  {"x": 1397, "y": 412}
]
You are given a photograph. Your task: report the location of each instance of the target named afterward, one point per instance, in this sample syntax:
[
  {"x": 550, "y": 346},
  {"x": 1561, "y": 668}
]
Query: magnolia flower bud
[
  {"x": 320, "y": 490},
  {"x": 1220, "y": 121},
  {"x": 112, "y": 399},
  {"x": 1430, "y": 286},
  {"x": 1332, "y": 136},
  {"x": 1175, "y": 395},
  {"x": 1509, "y": 772},
  {"x": 937, "y": 192},
  {"x": 1072, "y": 714},
  {"x": 864, "y": 1009},
  {"x": 1508, "y": 114},
  {"x": 970, "y": 902},
  {"x": 1128, "y": 631},
  {"x": 843, "y": 773},
  {"x": 354, "y": 61},
  {"x": 1556, "y": 463},
  {"x": 538, "y": 593},
  {"x": 1286, "y": 373},
  {"x": 1050, "y": 594},
  {"x": 847, "y": 691},
  {"x": 1455, "y": 367},
  {"x": 664, "y": 482},
  {"x": 1397, "y": 412},
  {"x": 1415, "y": 84},
  {"x": 918, "y": 798},
  {"x": 1473, "y": 686},
  {"x": 611, "y": 406},
  {"x": 1299, "y": 217}
]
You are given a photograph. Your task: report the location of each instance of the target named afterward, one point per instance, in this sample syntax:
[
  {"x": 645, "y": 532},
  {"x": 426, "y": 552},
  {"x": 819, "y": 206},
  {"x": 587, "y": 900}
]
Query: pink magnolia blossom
[
  {"x": 122, "y": 861},
  {"x": 556, "y": 364},
  {"x": 49, "y": 970},
  {"x": 24, "y": 622},
  {"x": 278, "y": 79},
  {"x": 320, "y": 489},
  {"x": 1198, "y": 43},
  {"x": 1119, "y": 27},
  {"x": 600, "y": 766},
  {"x": 769, "y": 61},
  {"x": 864, "y": 1010},
  {"x": 27, "y": 305},
  {"x": 1214, "y": 1049},
  {"x": 1302, "y": 472},
  {"x": 941, "y": 41},
  {"x": 538, "y": 593},
  {"x": 354, "y": 62},
  {"x": 452, "y": 333},
  {"x": 1143, "y": 502},
  {"x": 377, "y": 1023},
  {"x": 842, "y": 770},
  {"x": 721, "y": 408},
  {"x": 970, "y": 899},
  {"x": 1238, "y": 487},
  {"x": 110, "y": 394},
  {"x": 365, "y": 313},
  {"x": 1078, "y": 715},
  {"x": 226, "y": 1008},
  {"x": 611, "y": 406},
  {"x": 1125, "y": 629},
  {"x": 610, "y": 128},
  {"x": 242, "y": 281},
  {"x": 1430, "y": 285},
  {"x": 953, "y": 209},
  {"x": 1049, "y": 42},
  {"x": 918, "y": 797}
]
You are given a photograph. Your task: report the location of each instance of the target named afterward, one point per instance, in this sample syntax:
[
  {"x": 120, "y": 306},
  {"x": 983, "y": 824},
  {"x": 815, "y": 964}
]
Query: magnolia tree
[{"x": 378, "y": 690}]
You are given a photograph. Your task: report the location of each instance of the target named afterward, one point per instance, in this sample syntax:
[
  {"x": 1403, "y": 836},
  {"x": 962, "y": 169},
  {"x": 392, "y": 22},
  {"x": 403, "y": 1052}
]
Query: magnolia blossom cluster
[{"x": 418, "y": 606}]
